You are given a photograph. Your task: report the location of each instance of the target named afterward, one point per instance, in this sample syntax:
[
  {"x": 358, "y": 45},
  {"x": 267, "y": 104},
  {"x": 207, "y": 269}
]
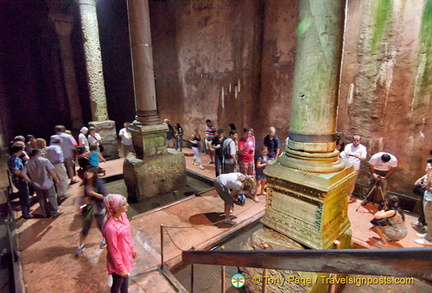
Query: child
[
  {"x": 94, "y": 158},
  {"x": 261, "y": 180}
]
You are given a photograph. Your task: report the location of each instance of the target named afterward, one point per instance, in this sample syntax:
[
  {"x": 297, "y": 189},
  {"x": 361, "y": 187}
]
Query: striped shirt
[{"x": 210, "y": 133}]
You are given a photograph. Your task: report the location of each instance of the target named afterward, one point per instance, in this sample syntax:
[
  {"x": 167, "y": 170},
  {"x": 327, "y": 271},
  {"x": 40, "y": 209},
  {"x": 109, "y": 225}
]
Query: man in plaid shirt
[{"x": 20, "y": 179}]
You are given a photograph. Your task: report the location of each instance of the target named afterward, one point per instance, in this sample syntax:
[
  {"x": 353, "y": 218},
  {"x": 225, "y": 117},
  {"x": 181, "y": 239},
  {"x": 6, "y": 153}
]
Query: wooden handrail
[{"x": 408, "y": 262}]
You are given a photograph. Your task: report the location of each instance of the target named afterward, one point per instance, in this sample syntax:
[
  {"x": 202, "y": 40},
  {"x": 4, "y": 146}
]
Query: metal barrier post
[
  {"x": 192, "y": 274},
  {"x": 265, "y": 271},
  {"x": 332, "y": 286},
  {"x": 223, "y": 272},
  {"x": 162, "y": 244}
]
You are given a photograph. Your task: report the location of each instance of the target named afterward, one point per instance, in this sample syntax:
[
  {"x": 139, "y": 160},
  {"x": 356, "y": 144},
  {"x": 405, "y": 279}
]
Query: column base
[
  {"x": 285, "y": 280},
  {"x": 309, "y": 208},
  {"x": 155, "y": 175},
  {"x": 108, "y": 132}
]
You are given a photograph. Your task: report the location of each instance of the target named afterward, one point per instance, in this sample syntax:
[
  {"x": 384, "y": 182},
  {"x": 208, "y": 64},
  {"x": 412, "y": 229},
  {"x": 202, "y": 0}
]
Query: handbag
[{"x": 101, "y": 148}]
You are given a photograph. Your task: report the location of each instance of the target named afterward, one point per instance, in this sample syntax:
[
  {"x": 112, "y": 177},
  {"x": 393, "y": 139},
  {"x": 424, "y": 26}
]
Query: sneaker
[
  {"x": 423, "y": 229},
  {"x": 210, "y": 162},
  {"x": 102, "y": 245},
  {"x": 29, "y": 216},
  {"x": 55, "y": 215},
  {"x": 80, "y": 249},
  {"x": 73, "y": 181},
  {"x": 201, "y": 167},
  {"x": 421, "y": 235},
  {"x": 195, "y": 164},
  {"x": 229, "y": 221},
  {"x": 423, "y": 241},
  {"x": 417, "y": 224}
]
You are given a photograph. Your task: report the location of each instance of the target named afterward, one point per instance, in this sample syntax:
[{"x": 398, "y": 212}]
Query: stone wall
[
  {"x": 385, "y": 87},
  {"x": 201, "y": 48}
]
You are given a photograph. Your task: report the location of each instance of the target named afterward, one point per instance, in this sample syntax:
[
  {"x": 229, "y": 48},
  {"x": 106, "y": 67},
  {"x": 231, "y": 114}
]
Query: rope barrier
[{"x": 195, "y": 226}]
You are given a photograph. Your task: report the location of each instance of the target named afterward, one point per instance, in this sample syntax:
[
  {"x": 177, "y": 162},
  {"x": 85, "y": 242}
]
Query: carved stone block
[
  {"x": 310, "y": 208},
  {"x": 107, "y": 131},
  {"x": 154, "y": 175}
]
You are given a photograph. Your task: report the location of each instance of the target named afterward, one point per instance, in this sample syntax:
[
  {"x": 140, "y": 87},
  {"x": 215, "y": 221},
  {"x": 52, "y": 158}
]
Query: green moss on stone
[
  {"x": 426, "y": 44},
  {"x": 382, "y": 16}
]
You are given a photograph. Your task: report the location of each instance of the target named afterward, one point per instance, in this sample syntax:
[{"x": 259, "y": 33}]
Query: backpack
[{"x": 226, "y": 150}]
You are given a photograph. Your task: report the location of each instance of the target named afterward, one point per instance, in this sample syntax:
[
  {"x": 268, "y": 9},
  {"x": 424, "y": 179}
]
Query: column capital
[{"x": 86, "y": 2}]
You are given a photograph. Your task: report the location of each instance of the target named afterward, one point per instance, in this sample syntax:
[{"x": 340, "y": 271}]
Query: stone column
[
  {"x": 95, "y": 79},
  {"x": 148, "y": 132},
  {"x": 155, "y": 170},
  {"x": 142, "y": 62},
  {"x": 307, "y": 187},
  {"x": 63, "y": 24}
]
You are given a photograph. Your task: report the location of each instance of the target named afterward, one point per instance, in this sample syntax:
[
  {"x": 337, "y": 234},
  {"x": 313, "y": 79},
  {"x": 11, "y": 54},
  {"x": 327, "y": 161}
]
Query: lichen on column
[{"x": 93, "y": 58}]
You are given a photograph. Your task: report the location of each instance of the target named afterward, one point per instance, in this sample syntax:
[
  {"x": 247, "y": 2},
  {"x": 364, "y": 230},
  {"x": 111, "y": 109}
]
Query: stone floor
[{"x": 47, "y": 246}]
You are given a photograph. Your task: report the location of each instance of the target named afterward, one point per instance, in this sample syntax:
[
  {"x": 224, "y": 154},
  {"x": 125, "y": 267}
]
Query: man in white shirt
[
  {"x": 354, "y": 154},
  {"x": 82, "y": 138},
  {"x": 382, "y": 166},
  {"x": 126, "y": 139},
  {"x": 68, "y": 145},
  {"x": 54, "y": 154}
]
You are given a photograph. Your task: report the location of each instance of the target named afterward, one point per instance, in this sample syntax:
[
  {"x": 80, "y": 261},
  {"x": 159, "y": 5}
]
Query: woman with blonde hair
[
  {"x": 228, "y": 186},
  {"x": 117, "y": 233}
]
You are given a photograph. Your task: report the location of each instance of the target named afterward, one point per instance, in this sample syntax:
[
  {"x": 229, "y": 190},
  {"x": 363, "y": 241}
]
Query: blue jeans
[
  {"x": 179, "y": 143},
  {"x": 23, "y": 190}
]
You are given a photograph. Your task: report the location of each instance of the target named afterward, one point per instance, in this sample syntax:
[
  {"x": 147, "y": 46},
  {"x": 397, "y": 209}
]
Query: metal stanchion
[
  {"x": 223, "y": 272},
  {"x": 162, "y": 244},
  {"x": 332, "y": 286},
  {"x": 192, "y": 274},
  {"x": 265, "y": 271}
]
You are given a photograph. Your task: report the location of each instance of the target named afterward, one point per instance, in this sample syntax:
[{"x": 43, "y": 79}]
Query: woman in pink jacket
[{"x": 117, "y": 233}]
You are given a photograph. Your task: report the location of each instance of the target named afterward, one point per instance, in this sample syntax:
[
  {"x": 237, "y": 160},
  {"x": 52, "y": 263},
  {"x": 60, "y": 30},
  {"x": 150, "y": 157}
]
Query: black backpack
[{"x": 226, "y": 150}]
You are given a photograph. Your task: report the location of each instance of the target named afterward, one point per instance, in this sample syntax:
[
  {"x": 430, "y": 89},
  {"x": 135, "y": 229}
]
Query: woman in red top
[{"x": 121, "y": 251}]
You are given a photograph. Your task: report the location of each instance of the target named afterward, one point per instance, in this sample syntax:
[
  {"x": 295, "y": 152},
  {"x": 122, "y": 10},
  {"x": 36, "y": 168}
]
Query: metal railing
[{"x": 407, "y": 262}]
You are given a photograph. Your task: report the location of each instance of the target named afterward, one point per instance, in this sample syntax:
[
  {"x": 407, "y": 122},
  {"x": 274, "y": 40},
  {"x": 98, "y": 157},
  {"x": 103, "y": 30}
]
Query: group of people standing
[
  {"x": 389, "y": 222},
  {"x": 238, "y": 169},
  {"x": 50, "y": 171}
]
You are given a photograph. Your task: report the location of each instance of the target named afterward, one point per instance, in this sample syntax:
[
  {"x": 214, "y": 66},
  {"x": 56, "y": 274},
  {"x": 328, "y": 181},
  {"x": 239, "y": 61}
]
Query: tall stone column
[
  {"x": 63, "y": 24},
  {"x": 95, "y": 79},
  {"x": 148, "y": 132},
  {"x": 307, "y": 187},
  {"x": 156, "y": 169},
  {"x": 142, "y": 62}
]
